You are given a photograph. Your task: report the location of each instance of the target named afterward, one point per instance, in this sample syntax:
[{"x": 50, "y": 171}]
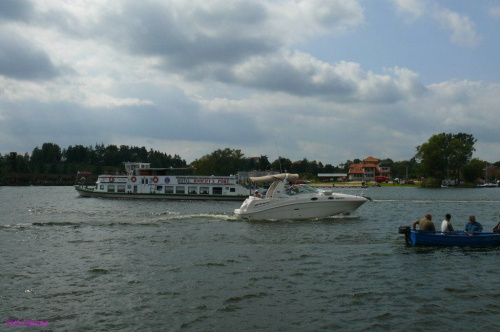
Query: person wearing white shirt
[{"x": 446, "y": 224}]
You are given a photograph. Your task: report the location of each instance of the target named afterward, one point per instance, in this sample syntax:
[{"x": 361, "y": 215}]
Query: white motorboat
[
  {"x": 296, "y": 202},
  {"x": 488, "y": 185}
]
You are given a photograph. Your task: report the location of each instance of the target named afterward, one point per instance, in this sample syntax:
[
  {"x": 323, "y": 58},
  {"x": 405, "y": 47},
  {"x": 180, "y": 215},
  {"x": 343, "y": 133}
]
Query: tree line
[
  {"x": 443, "y": 156},
  {"x": 51, "y": 159}
]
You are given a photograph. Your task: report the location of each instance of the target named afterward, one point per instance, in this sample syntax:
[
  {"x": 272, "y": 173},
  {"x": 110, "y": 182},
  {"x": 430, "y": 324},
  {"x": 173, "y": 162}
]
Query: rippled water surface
[{"x": 98, "y": 264}]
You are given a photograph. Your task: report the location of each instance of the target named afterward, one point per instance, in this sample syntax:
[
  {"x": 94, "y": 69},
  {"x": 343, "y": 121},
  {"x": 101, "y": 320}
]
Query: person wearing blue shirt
[{"x": 473, "y": 226}]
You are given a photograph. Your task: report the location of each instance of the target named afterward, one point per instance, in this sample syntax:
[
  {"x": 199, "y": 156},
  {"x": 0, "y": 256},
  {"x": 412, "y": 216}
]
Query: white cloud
[
  {"x": 325, "y": 15},
  {"x": 463, "y": 29},
  {"x": 410, "y": 9},
  {"x": 494, "y": 12}
]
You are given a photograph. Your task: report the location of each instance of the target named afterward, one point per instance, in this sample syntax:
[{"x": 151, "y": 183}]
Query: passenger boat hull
[
  {"x": 450, "y": 239},
  {"x": 85, "y": 192}
]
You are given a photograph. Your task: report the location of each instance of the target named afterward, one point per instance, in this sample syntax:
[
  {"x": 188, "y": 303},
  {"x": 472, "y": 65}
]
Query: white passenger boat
[
  {"x": 296, "y": 202},
  {"x": 142, "y": 181}
]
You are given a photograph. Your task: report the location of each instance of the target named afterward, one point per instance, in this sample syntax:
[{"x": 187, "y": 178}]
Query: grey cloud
[
  {"x": 19, "y": 59},
  {"x": 205, "y": 38},
  {"x": 15, "y": 9},
  {"x": 232, "y": 14},
  {"x": 282, "y": 75},
  {"x": 69, "y": 122},
  {"x": 203, "y": 44}
]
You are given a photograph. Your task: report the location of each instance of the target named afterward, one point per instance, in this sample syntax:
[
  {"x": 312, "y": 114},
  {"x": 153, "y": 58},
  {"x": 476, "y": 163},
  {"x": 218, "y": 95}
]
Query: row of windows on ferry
[{"x": 121, "y": 188}]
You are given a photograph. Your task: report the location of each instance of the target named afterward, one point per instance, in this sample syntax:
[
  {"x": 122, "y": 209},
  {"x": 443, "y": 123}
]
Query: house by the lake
[{"x": 369, "y": 169}]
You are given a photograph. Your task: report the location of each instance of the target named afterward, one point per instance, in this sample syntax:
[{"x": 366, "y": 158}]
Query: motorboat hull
[{"x": 299, "y": 209}]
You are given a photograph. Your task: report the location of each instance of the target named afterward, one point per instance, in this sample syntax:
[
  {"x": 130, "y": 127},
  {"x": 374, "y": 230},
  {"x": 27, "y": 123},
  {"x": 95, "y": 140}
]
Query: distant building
[
  {"x": 332, "y": 176},
  {"x": 368, "y": 170}
]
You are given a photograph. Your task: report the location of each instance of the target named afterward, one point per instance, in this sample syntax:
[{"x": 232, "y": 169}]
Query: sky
[{"x": 326, "y": 80}]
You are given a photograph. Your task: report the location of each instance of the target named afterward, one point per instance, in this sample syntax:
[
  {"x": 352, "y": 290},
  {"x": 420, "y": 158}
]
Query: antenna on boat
[{"x": 279, "y": 158}]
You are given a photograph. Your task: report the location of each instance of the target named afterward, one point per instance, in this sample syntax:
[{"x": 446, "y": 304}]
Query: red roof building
[{"x": 367, "y": 170}]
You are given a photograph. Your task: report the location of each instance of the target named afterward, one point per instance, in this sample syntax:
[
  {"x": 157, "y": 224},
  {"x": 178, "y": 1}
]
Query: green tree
[
  {"x": 77, "y": 154},
  {"x": 313, "y": 168},
  {"x": 11, "y": 162},
  {"x": 99, "y": 151},
  {"x": 111, "y": 156},
  {"x": 300, "y": 166},
  {"x": 473, "y": 170},
  {"x": 264, "y": 163},
  {"x": 445, "y": 153},
  {"x": 220, "y": 162},
  {"x": 345, "y": 166},
  {"x": 36, "y": 160},
  {"x": 460, "y": 149},
  {"x": 251, "y": 164},
  {"x": 177, "y": 161},
  {"x": 51, "y": 153},
  {"x": 399, "y": 169},
  {"x": 329, "y": 169},
  {"x": 281, "y": 164}
]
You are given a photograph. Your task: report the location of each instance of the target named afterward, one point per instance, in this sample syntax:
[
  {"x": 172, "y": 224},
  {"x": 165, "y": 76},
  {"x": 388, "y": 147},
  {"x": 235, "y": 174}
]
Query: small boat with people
[
  {"x": 450, "y": 239},
  {"x": 140, "y": 180},
  {"x": 284, "y": 200}
]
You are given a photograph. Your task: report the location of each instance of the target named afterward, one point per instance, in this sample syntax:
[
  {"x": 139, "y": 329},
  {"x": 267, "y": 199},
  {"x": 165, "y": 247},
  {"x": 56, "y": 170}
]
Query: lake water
[{"x": 98, "y": 264}]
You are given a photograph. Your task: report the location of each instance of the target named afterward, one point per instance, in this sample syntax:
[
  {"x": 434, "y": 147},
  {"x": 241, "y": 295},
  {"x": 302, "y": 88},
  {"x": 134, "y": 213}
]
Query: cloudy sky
[{"x": 326, "y": 80}]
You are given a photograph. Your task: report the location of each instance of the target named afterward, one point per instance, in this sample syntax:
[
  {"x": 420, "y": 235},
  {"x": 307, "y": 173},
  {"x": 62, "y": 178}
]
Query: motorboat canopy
[
  {"x": 280, "y": 185},
  {"x": 275, "y": 177}
]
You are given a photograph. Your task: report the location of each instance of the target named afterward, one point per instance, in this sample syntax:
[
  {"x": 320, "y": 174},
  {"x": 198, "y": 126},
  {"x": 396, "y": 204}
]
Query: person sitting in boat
[
  {"x": 446, "y": 224},
  {"x": 473, "y": 226},
  {"x": 496, "y": 229},
  {"x": 257, "y": 194},
  {"x": 424, "y": 224}
]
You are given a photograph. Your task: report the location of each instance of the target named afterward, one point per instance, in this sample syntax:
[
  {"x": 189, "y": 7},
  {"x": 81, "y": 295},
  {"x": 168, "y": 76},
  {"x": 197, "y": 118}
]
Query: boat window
[
  {"x": 111, "y": 188},
  {"x": 169, "y": 189},
  {"x": 121, "y": 188},
  {"x": 180, "y": 190},
  {"x": 159, "y": 188},
  {"x": 204, "y": 190},
  {"x": 101, "y": 187},
  {"x": 300, "y": 189},
  {"x": 193, "y": 190},
  {"x": 306, "y": 189},
  {"x": 232, "y": 190},
  {"x": 217, "y": 190}
]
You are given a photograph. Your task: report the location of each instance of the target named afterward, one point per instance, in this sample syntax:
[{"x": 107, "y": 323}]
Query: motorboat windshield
[{"x": 300, "y": 190}]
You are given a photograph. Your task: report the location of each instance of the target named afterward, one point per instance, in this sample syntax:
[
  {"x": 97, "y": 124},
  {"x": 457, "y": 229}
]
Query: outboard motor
[{"x": 406, "y": 230}]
